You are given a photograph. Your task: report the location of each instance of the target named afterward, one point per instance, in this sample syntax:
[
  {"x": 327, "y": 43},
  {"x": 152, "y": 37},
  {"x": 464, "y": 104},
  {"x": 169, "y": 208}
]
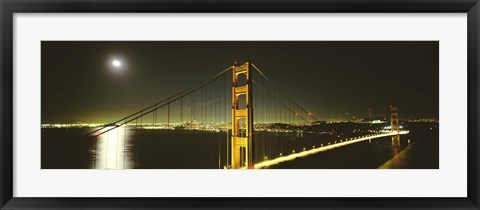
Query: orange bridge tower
[
  {"x": 394, "y": 126},
  {"x": 242, "y": 118}
]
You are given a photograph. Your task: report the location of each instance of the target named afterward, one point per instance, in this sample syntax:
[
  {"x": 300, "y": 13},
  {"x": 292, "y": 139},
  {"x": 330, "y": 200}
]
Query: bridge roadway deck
[{"x": 305, "y": 153}]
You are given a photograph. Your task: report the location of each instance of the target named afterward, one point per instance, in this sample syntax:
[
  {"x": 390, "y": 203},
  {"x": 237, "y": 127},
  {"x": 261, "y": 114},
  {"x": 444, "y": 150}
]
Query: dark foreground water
[{"x": 64, "y": 148}]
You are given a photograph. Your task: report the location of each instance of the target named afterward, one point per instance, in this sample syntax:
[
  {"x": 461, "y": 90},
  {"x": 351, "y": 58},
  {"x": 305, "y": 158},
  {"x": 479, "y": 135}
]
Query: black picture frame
[{"x": 9, "y": 7}]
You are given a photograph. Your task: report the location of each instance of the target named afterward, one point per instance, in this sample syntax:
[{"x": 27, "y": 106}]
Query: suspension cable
[
  {"x": 281, "y": 91},
  {"x": 158, "y": 105},
  {"x": 255, "y": 83}
]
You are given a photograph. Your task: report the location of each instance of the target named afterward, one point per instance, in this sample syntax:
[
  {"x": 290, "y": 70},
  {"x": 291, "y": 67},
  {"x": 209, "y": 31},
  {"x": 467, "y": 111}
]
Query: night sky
[{"x": 328, "y": 78}]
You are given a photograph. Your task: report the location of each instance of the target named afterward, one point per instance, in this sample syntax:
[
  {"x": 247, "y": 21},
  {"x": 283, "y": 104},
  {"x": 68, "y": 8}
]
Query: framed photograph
[{"x": 239, "y": 105}]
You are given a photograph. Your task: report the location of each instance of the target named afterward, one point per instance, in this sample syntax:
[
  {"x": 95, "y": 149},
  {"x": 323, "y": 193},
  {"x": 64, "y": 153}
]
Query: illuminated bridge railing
[{"x": 322, "y": 148}]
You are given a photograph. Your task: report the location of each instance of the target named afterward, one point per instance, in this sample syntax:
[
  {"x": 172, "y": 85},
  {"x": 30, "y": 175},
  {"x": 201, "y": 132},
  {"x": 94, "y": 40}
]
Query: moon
[{"x": 116, "y": 63}]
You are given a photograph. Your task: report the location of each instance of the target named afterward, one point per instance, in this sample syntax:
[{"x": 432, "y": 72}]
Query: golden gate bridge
[{"x": 240, "y": 101}]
